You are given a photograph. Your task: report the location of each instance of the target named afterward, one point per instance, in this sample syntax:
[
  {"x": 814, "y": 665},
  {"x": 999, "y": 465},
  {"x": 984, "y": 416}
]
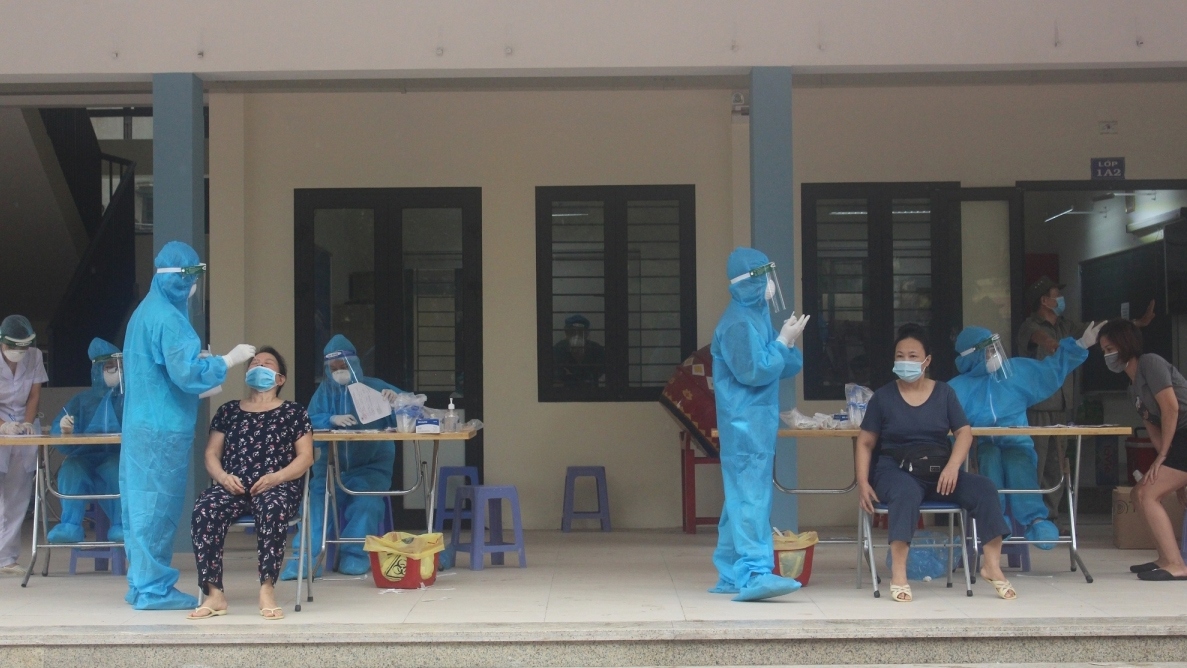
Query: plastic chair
[
  {"x": 470, "y": 475},
  {"x": 487, "y": 504},
  {"x": 598, "y": 473},
  {"x": 865, "y": 540},
  {"x": 101, "y": 555}
]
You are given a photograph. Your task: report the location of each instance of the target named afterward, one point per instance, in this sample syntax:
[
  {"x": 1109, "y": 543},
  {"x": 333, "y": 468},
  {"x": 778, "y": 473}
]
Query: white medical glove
[
  {"x": 1088, "y": 339},
  {"x": 66, "y": 424},
  {"x": 792, "y": 329},
  {"x": 11, "y": 428},
  {"x": 28, "y": 429},
  {"x": 343, "y": 421},
  {"x": 390, "y": 395},
  {"x": 239, "y": 354}
]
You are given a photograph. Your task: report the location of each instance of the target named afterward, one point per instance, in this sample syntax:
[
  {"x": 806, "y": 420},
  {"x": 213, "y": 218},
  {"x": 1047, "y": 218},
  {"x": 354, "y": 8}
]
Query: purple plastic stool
[
  {"x": 469, "y": 474},
  {"x": 101, "y": 555},
  {"x": 598, "y": 473},
  {"x": 487, "y": 504},
  {"x": 1017, "y": 556}
]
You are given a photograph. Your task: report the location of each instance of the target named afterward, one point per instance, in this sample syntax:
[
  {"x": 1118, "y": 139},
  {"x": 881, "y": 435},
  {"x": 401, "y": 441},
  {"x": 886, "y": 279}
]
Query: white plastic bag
[{"x": 856, "y": 398}]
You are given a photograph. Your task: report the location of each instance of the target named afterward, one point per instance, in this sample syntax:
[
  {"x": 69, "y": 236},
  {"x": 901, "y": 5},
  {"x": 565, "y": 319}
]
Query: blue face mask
[
  {"x": 908, "y": 370},
  {"x": 1060, "y": 305},
  {"x": 261, "y": 378}
]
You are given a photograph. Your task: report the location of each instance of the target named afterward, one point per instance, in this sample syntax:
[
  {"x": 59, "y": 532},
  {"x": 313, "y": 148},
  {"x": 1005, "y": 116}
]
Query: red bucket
[
  {"x": 795, "y": 564},
  {"x": 406, "y": 569}
]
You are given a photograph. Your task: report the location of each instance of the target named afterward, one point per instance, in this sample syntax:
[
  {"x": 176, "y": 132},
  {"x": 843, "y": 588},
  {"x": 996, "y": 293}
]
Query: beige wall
[
  {"x": 265, "y": 145},
  {"x": 980, "y": 136}
]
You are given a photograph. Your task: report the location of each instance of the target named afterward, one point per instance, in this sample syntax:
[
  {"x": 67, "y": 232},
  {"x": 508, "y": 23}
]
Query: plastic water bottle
[{"x": 449, "y": 424}]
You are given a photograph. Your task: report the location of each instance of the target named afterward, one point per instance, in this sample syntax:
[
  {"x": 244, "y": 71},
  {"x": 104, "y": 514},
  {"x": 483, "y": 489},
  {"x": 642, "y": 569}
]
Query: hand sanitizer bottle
[{"x": 449, "y": 424}]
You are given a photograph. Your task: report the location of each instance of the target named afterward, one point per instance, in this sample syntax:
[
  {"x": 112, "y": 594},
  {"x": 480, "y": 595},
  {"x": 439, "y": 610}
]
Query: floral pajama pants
[{"x": 216, "y": 509}]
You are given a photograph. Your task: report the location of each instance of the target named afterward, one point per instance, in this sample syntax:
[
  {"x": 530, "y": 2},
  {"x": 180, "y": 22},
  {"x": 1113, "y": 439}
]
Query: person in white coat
[{"x": 21, "y": 376}]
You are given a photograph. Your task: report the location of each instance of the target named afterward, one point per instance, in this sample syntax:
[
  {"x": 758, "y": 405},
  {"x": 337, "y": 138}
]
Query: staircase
[{"x": 102, "y": 288}]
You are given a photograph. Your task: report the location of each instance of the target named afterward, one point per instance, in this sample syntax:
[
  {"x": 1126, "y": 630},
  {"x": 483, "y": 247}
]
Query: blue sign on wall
[{"x": 1108, "y": 169}]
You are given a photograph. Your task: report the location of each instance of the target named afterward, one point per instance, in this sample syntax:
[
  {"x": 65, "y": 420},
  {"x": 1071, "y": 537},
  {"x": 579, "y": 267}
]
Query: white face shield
[
  {"x": 996, "y": 361},
  {"x": 197, "y": 296},
  {"x": 773, "y": 291},
  {"x": 113, "y": 371}
]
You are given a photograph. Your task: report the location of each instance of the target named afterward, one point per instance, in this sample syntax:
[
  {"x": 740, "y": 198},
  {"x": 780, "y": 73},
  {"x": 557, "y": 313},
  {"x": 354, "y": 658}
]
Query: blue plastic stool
[
  {"x": 598, "y": 473},
  {"x": 487, "y": 504},
  {"x": 101, "y": 555},
  {"x": 470, "y": 475}
]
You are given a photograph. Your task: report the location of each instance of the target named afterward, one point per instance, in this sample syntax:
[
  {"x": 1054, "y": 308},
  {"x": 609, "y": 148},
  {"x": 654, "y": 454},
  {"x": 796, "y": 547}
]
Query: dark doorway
[{"x": 398, "y": 271}]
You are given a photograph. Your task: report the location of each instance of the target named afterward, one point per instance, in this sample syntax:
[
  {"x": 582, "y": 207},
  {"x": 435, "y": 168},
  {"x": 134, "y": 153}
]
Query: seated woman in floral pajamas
[{"x": 256, "y": 454}]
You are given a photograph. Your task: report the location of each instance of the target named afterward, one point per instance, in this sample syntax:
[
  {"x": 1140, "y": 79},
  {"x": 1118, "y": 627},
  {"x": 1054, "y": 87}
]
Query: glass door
[
  {"x": 398, "y": 272},
  {"x": 988, "y": 223}
]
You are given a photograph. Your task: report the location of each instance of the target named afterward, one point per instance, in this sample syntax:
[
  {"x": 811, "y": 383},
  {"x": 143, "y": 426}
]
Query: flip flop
[
  {"x": 279, "y": 614},
  {"x": 901, "y": 593},
  {"x": 1142, "y": 568},
  {"x": 1160, "y": 575},
  {"x": 213, "y": 613},
  {"x": 1003, "y": 589}
]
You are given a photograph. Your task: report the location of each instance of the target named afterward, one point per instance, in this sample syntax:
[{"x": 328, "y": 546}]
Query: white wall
[
  {"x": 265, "y": 145},
  {"x": 110, "y": 40}
]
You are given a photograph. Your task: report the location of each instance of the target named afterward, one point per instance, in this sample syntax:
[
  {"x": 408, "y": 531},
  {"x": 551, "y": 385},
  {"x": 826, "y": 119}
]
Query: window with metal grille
[{"x": 616, "y": 289}]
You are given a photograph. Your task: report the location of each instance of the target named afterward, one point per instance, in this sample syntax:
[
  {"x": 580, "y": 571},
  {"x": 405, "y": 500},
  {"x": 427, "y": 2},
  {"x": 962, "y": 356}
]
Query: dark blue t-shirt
[{"x": 898, "y": 423}]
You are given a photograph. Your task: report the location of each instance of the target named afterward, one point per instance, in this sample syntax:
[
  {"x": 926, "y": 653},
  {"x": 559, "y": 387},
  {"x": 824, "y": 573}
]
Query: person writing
[
  {"x": 1159, "y": 393},
  {"x": 92, "y": 469},
  {"x": 906, "y": 426},
  {"x": 366, "y": 465},
  {"x": 257, "y": 452},
  {"x": 21, "y": 376}
]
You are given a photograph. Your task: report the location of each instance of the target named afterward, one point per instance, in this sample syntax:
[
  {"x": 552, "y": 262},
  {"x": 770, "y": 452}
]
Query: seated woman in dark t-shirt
[{"x": 914, "y": 411}]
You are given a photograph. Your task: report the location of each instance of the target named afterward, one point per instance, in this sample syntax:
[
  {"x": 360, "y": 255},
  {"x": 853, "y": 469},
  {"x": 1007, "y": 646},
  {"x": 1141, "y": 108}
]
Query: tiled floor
[{"x": 620, "y": 577}]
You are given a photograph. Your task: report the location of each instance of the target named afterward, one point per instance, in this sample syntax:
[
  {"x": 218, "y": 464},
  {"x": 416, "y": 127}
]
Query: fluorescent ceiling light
[
  {"x": 1158, "y": 222},
  {"x": 568, "y": 215},
  {"x": 906, "y": 212},
  {"x": 1071, "y": 211}
]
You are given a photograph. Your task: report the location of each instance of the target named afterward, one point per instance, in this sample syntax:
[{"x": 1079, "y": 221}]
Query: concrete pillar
[
  {"x": 179, "y": 214},
  {"x": 772, "y": 228}
]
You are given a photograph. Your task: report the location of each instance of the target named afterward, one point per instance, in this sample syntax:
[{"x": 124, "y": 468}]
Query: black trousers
[{"x": 216, "y": 509}]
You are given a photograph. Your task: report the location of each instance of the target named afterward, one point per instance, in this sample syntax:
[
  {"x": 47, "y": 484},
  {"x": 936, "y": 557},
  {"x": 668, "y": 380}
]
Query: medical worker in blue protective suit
[
  {"x": 995, "y": 391},
  {"x": 92, "y": 469},
  {"x": 749, "y": 360},
  {"x": 366, "y": 465},
  {"x": 164, "y": 372}
]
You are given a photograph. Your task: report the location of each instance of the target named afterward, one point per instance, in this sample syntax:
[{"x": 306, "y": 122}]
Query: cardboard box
[{"x": 1129, "y": 526}]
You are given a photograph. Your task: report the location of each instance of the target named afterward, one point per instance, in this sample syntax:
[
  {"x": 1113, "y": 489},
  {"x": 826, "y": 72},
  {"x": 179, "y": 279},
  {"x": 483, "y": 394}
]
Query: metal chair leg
[{"x": 870, "y": 554}]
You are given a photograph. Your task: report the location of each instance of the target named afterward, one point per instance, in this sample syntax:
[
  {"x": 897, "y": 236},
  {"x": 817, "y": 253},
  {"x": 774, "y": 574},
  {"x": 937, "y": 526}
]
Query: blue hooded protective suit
[
  {"x": 1010, "y": 461},
  {"x": 748, "y": 362},
  {"x": 163, "y": 377},
  {"x": 366, "y": 465},
  {"x": 91, "y": 469}
]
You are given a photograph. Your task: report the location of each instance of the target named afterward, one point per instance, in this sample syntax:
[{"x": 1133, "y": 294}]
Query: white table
[
  {"x": 1068, "y": 481},
  {"x": 44, "y": 483},
  {"x": 342, "y": 438}
]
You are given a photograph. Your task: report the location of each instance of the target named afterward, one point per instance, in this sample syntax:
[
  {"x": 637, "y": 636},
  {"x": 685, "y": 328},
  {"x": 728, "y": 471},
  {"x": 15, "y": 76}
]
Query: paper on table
[{"x": 369, "y": 404}]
